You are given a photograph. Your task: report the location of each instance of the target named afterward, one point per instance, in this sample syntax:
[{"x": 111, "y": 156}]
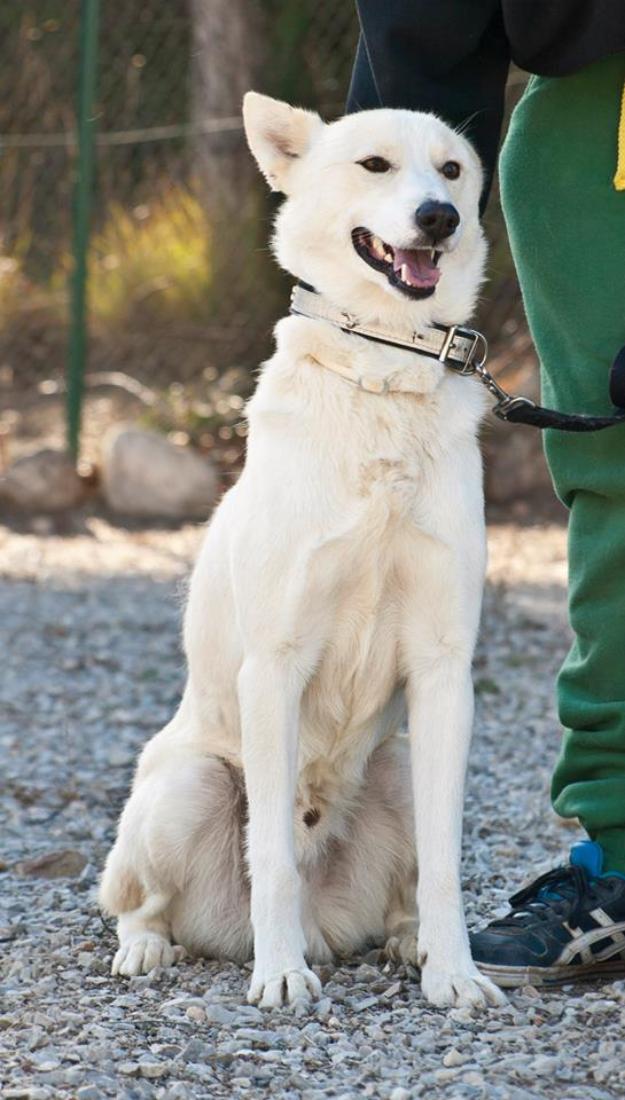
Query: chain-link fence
[
  {"x": 182, "y": 290},
  {"x": 178, "y": 266}
]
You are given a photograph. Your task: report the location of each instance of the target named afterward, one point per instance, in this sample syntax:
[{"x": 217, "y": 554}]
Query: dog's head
[{"x": 381, "y": 210}]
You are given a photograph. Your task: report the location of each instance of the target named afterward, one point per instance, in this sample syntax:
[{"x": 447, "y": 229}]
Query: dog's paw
[
  {"x": 296, "y": 987},
  {"x": 402, "y": 949},
  {"x": 144, "y": 951},
  {"x": 460, "y": 988}
]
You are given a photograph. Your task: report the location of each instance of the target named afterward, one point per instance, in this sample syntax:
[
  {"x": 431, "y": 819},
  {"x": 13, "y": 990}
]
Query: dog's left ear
[{"x": 277, "y": 135}]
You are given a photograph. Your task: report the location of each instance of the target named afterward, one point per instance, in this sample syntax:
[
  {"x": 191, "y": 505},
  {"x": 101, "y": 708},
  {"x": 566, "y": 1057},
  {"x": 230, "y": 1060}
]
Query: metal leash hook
[
  {"x": 503, "y": 408},
  {"x": 504, "y": 401},
  {"x": 514, "y": 409}
]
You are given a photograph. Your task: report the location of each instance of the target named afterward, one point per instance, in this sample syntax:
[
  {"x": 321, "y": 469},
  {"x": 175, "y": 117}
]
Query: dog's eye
[
  {"x": 451, "y": 169},
  {"x": 375, "y": 164}
]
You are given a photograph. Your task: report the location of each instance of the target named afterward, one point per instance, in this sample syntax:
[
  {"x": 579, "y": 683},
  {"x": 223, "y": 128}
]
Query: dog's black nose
[{"x": 437, "y": 219}]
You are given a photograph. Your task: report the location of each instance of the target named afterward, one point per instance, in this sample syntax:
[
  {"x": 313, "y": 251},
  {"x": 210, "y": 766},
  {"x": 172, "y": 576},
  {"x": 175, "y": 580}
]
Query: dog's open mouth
[{"x": 412, "y": 270}]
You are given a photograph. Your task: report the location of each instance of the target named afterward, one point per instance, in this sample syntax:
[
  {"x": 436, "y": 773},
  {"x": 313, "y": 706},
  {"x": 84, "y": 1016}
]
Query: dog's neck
[{"x": 380, "y": 358}]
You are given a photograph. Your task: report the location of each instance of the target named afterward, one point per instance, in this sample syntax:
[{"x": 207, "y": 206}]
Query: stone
[
  {"x": 545, "y": 1064},
  {"x": 196, "y": 1050},
  {"x": 32, "y": 1092},
  {"x": 177, "y": 1091},
  {"x": 144, "y": 474},
  {"x": 453, "y": 1057},
  {"x": 45, "y": 481},
  {"x": 219, "y": 1014},
  {"x": 323, "y": 1007},
  {"x": 392, "y": 991},
  {"x": 474, "y": 1079},
  {"x": 196, "y": 1014},
  {"x": 65, "y": 863},
  {"x": 152, "y": 1070},
  {"x": 366, "y": 973}
]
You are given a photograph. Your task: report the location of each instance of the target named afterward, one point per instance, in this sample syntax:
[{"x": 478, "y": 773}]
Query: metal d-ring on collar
[{"x": 464, "y": 351}]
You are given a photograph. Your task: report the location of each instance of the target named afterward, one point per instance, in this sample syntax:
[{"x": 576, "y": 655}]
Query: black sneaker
[{"x": 567, "y": 925}]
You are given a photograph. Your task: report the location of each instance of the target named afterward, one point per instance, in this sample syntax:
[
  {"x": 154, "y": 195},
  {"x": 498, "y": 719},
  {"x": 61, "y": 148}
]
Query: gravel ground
[{"x": 91, "y": 667}]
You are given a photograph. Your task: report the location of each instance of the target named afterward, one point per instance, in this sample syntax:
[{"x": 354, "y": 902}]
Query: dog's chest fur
[
  {"x": 319, "y": 545},
  {"x": 371, "y": 464}
]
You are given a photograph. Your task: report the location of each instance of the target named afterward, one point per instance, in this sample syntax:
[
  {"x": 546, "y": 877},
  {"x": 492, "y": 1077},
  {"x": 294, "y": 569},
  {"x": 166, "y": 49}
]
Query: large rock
[
  {"x": 62, "y": 864},
  {"x": 45, "y": 481},
  {"x": 145, "y": 475}
]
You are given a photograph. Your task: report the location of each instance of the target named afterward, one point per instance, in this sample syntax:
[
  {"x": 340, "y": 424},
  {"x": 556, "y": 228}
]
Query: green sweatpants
[{"x": 566, "y": 224}]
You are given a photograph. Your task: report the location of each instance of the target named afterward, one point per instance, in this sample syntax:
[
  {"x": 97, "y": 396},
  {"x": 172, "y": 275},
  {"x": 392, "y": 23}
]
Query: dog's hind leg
[
  {"x": 363, "y": 891},
  {"x": 176, "y": 870},
  {"x": 137, "y": 892},
  {"x": 401, "y": 922}
]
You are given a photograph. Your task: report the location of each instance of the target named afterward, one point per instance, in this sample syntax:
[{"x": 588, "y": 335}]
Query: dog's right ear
[{"x": 277, "y": 135}]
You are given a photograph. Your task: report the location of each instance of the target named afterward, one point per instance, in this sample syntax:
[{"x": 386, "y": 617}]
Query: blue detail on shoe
[
  {"x": 589, "y": 855},
  {"x": 584, "y": 853}
]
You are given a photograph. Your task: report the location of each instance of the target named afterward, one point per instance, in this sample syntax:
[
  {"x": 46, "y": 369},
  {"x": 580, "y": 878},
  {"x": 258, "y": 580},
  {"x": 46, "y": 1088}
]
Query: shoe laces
[{"x": 547, "y": 894}]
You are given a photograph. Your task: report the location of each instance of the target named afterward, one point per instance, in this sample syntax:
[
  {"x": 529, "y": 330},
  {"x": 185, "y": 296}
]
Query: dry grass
[{"x": 152, "y": 260}]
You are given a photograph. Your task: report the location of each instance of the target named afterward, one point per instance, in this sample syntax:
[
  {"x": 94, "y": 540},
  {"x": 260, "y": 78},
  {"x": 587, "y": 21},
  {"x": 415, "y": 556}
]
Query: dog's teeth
[
  {"x": 433, "y": 255},
  {"x": 388, "y": 256},
  {"x": 377, "y": 247},
  {"x": 403, "y": 274}
]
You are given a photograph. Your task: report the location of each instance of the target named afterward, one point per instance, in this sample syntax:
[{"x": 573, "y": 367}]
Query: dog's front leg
[
  {"x": 440, "y": 635},
  {"x": 269, "y": 698},
  {"x": 440, "y": 717}
]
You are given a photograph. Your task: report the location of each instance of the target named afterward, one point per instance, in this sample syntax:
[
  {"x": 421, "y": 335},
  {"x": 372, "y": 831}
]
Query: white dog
[{"x": 339, "y": 586}]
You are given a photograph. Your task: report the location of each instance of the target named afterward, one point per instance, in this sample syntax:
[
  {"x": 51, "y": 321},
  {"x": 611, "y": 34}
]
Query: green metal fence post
[{"x": 83, "y": 190}]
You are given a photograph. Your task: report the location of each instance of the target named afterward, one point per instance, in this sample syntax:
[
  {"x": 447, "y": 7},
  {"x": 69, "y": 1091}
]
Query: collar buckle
[{"x": 476, "y": 356}]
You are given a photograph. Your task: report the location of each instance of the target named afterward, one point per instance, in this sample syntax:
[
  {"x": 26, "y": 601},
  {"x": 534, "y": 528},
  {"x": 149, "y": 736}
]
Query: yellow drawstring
[{"x": 619, "y": 178}]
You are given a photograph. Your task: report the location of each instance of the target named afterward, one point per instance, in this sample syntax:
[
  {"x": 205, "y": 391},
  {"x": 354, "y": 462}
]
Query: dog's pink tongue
[{"x": 415, "y": 267}]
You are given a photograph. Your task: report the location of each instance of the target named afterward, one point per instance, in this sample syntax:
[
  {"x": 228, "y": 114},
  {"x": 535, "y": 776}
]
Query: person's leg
[
  {"x": 567, "y": 230},
  {"x": 566, "y": 224}
]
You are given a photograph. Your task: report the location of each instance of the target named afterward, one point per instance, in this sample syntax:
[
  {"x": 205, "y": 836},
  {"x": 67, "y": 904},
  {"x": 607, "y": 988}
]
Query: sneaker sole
[{"x": 510, "y": 977}]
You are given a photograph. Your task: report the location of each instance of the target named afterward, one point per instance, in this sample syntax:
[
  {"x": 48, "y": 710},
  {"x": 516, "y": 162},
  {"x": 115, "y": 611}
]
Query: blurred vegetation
[{"x": 152, "y": 262}]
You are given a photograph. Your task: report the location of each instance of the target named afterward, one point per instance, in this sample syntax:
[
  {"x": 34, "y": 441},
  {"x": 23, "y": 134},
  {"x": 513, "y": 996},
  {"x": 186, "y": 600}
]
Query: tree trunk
[{"x": 226, "y": 62}]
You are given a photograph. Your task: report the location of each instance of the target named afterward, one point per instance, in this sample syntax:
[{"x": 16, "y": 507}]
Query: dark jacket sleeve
[{"x": 450, "y": 57}]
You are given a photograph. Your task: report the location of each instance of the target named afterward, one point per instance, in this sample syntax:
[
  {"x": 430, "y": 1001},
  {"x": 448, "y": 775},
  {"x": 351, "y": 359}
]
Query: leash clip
[{"x": 505, "y": 406}]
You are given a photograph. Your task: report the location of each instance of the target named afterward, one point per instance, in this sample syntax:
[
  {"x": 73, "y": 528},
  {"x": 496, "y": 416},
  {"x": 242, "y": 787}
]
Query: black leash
[{"x": 514, "y": 409}]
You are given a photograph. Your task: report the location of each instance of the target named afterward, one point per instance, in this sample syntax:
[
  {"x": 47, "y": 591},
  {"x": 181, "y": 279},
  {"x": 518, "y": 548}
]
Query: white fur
[{"x": 338, "y": 586}]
